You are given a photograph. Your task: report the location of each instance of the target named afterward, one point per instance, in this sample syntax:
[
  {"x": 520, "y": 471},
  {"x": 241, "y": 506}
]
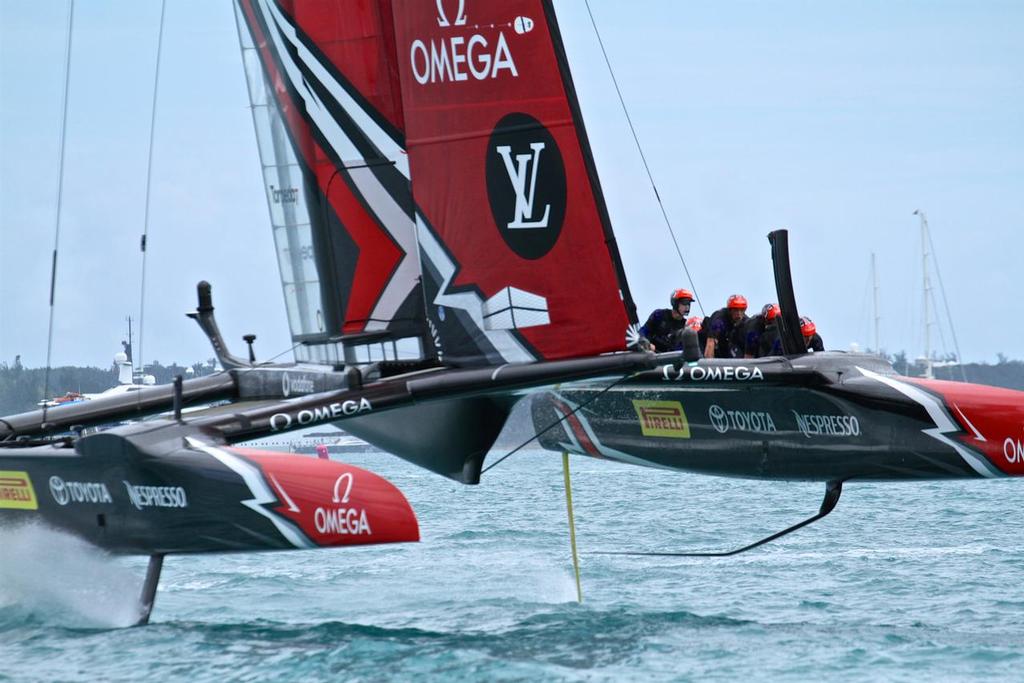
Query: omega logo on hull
[
  {"x": 1013, "y": 450},
  {"x": 712, "y": 373},
  {"x": 334, "y": 411},
  {"x": 342, "y": 520}
]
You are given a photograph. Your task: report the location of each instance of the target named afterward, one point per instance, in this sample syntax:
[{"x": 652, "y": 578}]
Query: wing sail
[
  {"x": 328, "y": 118},
  {"x": 515, "y": 238},
  {"x": 448, "y": 186}
]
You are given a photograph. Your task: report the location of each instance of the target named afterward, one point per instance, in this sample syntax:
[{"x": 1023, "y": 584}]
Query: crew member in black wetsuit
[
  {"x": 661, "y": 331},
  {"x": 725, "y": 328},
  {"x": 762, "y": 334},
  {"x": 811, "y": 337}
]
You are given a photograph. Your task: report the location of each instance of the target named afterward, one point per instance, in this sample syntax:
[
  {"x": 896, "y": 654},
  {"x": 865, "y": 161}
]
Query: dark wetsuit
[
  {"x": 729, "y": 337},
  {"x": 663, "y": 330},
  {"x": 762, "y": 338},
  {"x": 814, "y": 343}
]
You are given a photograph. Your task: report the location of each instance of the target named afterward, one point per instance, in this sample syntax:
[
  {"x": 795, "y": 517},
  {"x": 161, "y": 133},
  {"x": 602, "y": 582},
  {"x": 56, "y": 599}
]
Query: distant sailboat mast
[
  {"x": 878, "y": 317},
  {"x": 928, "y": 252},
  {"x": 928, "y": 370}
]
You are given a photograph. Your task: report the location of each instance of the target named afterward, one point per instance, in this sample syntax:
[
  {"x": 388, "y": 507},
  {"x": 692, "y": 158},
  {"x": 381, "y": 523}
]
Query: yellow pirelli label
[
  {"x": 16, "y": 491},
  {"x": 662, "y": 418}
]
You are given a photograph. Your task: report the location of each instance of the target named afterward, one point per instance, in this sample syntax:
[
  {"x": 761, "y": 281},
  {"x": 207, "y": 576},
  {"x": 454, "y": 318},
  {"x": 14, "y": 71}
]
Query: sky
[{"x": 834, "y": 120}]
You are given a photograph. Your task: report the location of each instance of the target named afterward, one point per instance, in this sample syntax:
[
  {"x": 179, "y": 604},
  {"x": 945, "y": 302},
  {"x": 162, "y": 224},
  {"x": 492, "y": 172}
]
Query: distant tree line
[
  {"x": 22, "y": 388},
  {"x": 1005, "y": 372}
]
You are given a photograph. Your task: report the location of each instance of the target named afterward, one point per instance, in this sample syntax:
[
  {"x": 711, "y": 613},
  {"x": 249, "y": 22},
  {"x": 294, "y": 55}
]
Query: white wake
[{"x": 60, "y": 578}]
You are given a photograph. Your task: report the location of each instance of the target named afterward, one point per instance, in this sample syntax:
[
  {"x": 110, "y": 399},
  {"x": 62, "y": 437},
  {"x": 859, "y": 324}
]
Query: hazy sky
[{"x": 834, "y": 119}]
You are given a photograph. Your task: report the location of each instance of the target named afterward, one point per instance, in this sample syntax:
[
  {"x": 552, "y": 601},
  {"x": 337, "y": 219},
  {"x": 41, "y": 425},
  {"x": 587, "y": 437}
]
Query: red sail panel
[
  {"x": 332, "y": 72},
  {"x": 505, "y": 184},
  {"x": 357, "y": 39}
]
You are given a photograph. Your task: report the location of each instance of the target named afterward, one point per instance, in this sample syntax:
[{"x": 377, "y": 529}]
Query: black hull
[
  {"x": 167, "y": 490},
  {"x": 827, "y": 419}
]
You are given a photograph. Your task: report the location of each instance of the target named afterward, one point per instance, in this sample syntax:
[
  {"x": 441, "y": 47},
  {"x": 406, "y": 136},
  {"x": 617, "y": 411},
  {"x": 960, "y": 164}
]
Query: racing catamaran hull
[
  {"x": 492, "y": 263},
  {"x": 170, "y": 490},
  {"x": 821, "y": 417}
]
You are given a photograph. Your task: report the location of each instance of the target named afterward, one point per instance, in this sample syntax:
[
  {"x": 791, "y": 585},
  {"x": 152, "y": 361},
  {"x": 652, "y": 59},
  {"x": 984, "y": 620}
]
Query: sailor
[
  {"x": 725, "y": 328},
  {"x": 762, "y": 334},
  {"x": 661, "y": 331},
  {"x": 811, "y": 337}
]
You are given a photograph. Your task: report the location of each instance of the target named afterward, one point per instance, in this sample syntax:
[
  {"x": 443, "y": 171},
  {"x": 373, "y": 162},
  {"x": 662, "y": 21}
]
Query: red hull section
[
  {"x": 992, "y": 420},
  {"x": 335, "y": 504}
]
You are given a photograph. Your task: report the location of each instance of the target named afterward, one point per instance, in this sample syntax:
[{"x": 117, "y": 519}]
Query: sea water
[{"x": 909, "y": 581}]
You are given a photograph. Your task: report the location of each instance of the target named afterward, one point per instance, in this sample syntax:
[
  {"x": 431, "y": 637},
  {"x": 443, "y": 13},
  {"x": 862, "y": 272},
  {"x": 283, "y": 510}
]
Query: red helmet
[
  {"x": 680, "y": 295},
  {"x": 737, "y": 301},
  {"x": 694, "y": 323},
  {"x": 770, "y": 311},
  {"x": 807, "y": 327}
]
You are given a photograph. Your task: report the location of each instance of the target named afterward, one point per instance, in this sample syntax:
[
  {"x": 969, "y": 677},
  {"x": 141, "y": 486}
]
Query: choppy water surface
[{"x": 901, "y": 582}]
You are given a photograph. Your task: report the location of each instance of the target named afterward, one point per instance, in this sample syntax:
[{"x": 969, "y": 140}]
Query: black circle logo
[{"x": 526, "y": 185}]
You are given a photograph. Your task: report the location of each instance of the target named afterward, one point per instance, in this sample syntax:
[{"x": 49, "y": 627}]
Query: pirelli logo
[
  {"x": 662, "y": 418},
  {"x": 16, "y": 491}
]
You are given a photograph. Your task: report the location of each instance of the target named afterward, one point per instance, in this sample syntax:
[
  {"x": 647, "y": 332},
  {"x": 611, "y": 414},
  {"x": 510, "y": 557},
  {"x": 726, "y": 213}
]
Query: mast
[
  {"x": 874, "y": 285},
  {"x": 128, "y": 345},
  {"x": 928, "y": 373},
  {"x": 149, "y": 187},
  {"x": 60, "y": 201}
]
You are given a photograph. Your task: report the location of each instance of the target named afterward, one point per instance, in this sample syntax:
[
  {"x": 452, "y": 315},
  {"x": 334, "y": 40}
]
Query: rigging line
[
  {"x": 273, "y": 358},
  {"x": 149, "y": 178},
  {"x": 60, "y": 202},
  {"x": 945, "y": 302},
  {"x": 643, "y": 157},
  {"x": 557, "y": 422},
  {"x": 269, "y": 360}
]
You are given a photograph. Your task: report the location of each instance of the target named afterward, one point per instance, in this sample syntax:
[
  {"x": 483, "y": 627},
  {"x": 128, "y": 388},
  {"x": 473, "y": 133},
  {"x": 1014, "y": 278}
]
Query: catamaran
[{"x": 445, "y": 252}]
